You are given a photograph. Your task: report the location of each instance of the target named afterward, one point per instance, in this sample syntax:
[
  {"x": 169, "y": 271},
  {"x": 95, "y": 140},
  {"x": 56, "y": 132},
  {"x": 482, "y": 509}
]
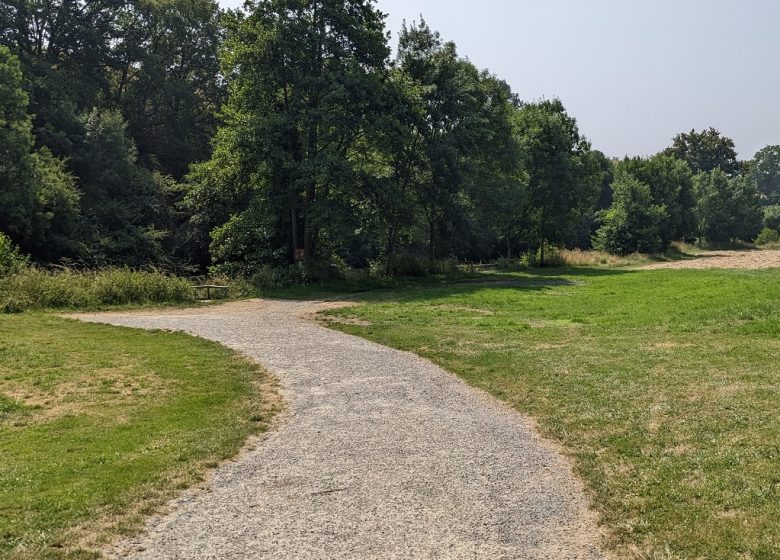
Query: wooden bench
[{"x": 218, "y": 290}]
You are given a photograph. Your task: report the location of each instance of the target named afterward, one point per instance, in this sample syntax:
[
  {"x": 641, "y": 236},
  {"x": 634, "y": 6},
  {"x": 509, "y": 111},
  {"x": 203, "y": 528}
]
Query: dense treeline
[{"x": 170, "y": 132}]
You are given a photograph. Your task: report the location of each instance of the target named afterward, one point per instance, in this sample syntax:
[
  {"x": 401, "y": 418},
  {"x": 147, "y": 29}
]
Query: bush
[
  {"x": 11, "y": 260},
  {"x": 768, "y": 236},
  {"x": 772, "y": 217},
  {"x": 409, "y": 266},
  {"x": 634, "y": 223},
  {"x": 35, "y": 288}
]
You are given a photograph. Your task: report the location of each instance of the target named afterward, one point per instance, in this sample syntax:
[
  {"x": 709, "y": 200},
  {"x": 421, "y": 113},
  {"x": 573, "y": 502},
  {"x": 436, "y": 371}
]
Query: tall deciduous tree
[
  {"x": 17, "y": 189},
  {"x": 38, "y": 199},
  {"x": 727, "y": 209},
  {"x": 704, "y": 151},
  {"x": 765, "y": 170},
  {"x": 166, "y": 80},
  {"x": 462, "y": 126},
  {"x": 306, "y": 80},
  {"x": 560, "y": 188},
  {"x": 671, "y": 186},
  {"x": 121, "y": 201}
]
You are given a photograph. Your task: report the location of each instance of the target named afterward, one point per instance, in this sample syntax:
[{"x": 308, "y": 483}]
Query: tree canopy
[
  {"x": 284, "y": 136},
  {"x": 705, "y": 151}
]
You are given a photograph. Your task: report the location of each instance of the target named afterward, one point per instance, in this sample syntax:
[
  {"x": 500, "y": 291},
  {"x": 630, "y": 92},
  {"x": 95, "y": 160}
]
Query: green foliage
[
  {"x": 767, "y": 236},
  {"x": 121, "y": 201},
  {"x": 17, "y": 189},
  {"x": 765, "y": 171},
  {"x": 727, "y": 209},
  {"x": 169, "y": 82},
  {"x": 35, "y": 288},
  {"x": 168, "y": 132},
  {"x": 634, "y": 222},
  {"x": 671, "y": 186},
  {"x": 152, "y": 62},
  {"x": 57, "y": 213},
  {"x": 562, "y": 187},
  {"x": 705, "y": 151},
  {"x": 11, "y": 260},
  {"x": 306, "y": 83},
  {"x": 772, "y": 217},
  {"x": 460, "y": 155}
]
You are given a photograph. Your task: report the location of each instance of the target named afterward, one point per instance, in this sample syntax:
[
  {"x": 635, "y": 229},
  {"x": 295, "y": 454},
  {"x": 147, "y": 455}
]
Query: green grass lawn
[
  {"x": 664, "y": 386},
  {"x": 101, "y": 425}
]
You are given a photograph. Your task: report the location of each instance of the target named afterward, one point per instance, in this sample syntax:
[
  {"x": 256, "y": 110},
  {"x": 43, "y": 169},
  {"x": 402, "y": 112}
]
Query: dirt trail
[
  {"x": 381, "y": 455},
  {"x": 726, "y": 259}
]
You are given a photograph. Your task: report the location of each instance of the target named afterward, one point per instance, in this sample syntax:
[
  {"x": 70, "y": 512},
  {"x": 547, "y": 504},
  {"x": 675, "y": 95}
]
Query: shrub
[
  {"x": 405, "y": 265},
  {"x": 772, "y": 217},
  {"x": 445, "y": 267},
  {"x": 11, "y": 260},
  {"x": 768, "y": 236}
]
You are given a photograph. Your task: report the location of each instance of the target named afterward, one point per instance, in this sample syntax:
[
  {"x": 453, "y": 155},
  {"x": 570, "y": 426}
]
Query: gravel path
[{"x": 381, "y": 454}]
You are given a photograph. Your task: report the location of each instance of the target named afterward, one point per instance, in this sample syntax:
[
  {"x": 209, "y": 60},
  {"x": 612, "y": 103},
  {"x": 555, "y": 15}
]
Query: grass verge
[
  {"x": 101, "y": 425},
  {"x": 663, "y": 385}
]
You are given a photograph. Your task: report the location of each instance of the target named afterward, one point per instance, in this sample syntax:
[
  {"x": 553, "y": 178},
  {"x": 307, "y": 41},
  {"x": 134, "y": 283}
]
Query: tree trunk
[
  {"x": 541, "y": 240},
  {"x": 308, "y": 239},
  {"x": 432, "y": 233},
  {"x": 294, "y": 231},
  {"x": 309, "y": 231},
  {"x": 390, "y": 251}
]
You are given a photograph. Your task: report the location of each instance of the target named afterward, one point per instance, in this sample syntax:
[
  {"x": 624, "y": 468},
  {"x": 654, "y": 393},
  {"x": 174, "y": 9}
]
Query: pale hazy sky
[{"x": 633, "y": 73}]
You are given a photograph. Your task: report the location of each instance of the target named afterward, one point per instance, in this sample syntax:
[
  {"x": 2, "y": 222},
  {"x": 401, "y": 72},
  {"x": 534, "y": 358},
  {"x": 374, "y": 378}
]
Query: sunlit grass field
[
  {"x": 664, "y": 386},
  {"x": 101, "y": 425}
]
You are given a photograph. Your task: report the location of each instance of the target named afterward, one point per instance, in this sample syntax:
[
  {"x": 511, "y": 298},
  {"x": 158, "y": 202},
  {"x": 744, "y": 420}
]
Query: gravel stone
[{"x": 380, "y": 455}]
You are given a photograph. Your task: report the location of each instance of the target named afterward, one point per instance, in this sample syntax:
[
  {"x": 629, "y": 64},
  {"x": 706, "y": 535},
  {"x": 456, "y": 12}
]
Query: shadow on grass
[{"x": 421, "y": 289}]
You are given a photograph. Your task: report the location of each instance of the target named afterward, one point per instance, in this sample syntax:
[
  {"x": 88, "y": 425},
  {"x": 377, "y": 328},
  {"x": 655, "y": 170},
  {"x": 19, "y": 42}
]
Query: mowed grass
[
  {"x": 664, "y": 386},
  {"x": 101, "y": 425}
]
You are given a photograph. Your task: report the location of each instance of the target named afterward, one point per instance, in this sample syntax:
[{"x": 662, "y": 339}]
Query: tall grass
[{"x": 35, "y": 288}]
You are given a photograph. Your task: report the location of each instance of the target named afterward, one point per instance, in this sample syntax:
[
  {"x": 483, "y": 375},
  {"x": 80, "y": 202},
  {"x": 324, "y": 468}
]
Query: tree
[
  {"x": 772, "y": 217},
  {"x": 56, "y": 215},
  {"x": 65, "y": 50},
  {"x": 765, "y": 171},
  {"x": 705, "y": 151},
  {"x": 166, "y": 80},
  {"x": 448, "y": 114},
  {"x": 154, "y": 60},
  {"x": 727, "y": 209},
  {"x": 305, "y": 84},
  {"x": 11, "y": 260},
  {"x": 671, "y": 186},
  {"x": 17, "y": 189},
  {"x": 560, "y": 189},
  {"x": 634, "y": 222},
  {"x": 121, "y": 202}
]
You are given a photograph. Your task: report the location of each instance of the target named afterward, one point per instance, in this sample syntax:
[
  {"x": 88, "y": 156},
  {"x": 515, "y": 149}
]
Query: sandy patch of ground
[{"x": 726, "y": 259}]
